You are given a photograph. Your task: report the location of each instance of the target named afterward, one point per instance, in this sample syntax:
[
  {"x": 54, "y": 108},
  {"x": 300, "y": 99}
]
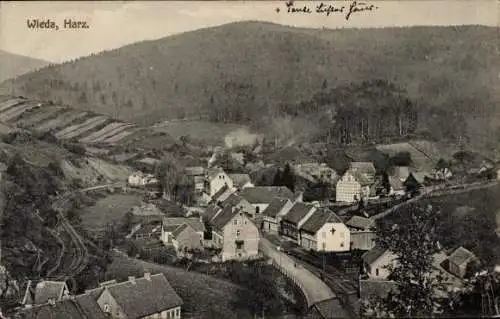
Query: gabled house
[
  {"x": 356, "y": 182},
  {"x": 241, "y": 181},
  {"x": 235, "y": 234},
  {"x": 149, "y": 297},
  {"x": 261, "y": 196},
  {"x": 363, "y": 233},
  {"x": 43, "y": 292},
  {"x": 459, "y": 260},
  {"x": 272, "y": 215},
  {"x": 376, "y": 262},
  {"x": 241, "y": 203},
  {"x": 172, "y": 230},
  {"x": 324, "y": 231},
  {"x": 215, "y": 179},
  {"x": 294, "y": 219}
]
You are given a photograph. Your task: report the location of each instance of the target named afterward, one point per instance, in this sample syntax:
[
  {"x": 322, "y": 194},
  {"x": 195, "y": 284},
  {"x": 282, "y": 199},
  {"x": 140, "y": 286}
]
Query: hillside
[
  {"x": 14, "y": 65},
  {"x": 245, "y": 71}
]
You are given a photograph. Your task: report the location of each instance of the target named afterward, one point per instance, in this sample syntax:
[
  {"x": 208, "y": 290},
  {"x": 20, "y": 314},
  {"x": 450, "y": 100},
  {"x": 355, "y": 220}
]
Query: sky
[{"x": 115, "y": 24}]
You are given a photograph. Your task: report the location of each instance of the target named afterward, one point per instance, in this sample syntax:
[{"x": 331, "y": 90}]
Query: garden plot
[
  {"x": 112, "y": 128},
  {"x": 119, "y": 136},
  {"x": 88, "y": 127},
  {"x": 110, "y": 171},
  {"x": 41, "y": 115},
  {"x": 10, "y": 103},
  {"x": 62, "y": 120},
  {"x": 77, "y": 126},
  {"x": 116, "y": 131},
  {"x": 14, "y": 113}
]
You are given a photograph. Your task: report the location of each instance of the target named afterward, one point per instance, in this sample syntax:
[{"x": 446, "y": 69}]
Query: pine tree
[{"x": 287, "y": 178}]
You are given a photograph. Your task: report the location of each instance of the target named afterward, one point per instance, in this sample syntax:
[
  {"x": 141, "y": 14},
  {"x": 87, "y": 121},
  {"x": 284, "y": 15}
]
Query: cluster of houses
[{"x": 147, "y": 297}]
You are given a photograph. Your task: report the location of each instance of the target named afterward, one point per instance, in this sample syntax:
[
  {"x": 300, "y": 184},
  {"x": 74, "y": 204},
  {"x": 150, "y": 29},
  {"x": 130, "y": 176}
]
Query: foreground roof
[
  {"x": 41, "y": 292},
  {"x": 297, "y": 212},
  {"x": 319, "y": 218},
  {"x": 360, "y": 222},
  {"x": 372, "y": 255},
  {"x": 144, "y": 297},
  {"x": 78, "y": 307},
  {"x": 275, "y": 207},
  {"x": 194, "y": 223},
  {"x": 461, "y": 256}
]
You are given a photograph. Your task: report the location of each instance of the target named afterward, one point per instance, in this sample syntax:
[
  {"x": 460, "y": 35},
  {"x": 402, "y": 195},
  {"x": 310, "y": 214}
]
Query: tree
[
  {"x": 288, "y": 178},
  {"x": 167, "y": 172},
  {"x": 414, "y": 242}
]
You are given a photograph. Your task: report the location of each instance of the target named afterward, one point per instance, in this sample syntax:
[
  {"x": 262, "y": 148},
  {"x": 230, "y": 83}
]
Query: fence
[{"x": 294, "y": 280}]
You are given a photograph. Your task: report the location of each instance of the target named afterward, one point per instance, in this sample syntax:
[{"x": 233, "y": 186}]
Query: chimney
[
  {"x": 233, "y": 209},
  {"x": 131, "y": 279},
  {"x": 299, "y": 197},
  {"x": 147, "y": 275}
]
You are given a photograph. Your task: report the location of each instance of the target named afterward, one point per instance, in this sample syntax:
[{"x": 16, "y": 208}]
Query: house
[
  {"x": 197, "y": 175},
  {"x": 223, "y": 194},
  {"x": 362, "y": 232},
  {"x": 235, "y": 234},
  {"x": 376, "y": 262},
  {"x": 356, "y": 182},
  {"x": 261, "y": 196},
  {"x": 241, "y": 181},
  {"x": 442, "y": 174},
  {"x": 324, "y": 231},
  {"x": 151, "y": 296},
  {"x": 294, "y": 219},
  {"x": 43, "y": 292},
  {"x": 241, "y": 203},
  {"x": 172, "y": 230},
  {"x": 146, "y": 231},
  {"x": 215, "y": 180},
  {"x": 272, "y": 215},
  {"x": 459, "y": 260},
  {"x": 77, "y": 307},
  {"x": 139, "y": 179},
  {"x": 397, "y": 178}
]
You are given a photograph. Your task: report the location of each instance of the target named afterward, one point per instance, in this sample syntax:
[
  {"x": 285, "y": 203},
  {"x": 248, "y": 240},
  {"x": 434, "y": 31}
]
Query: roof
[
  {"x": 179, "y": 230},
  {"x": 275, "y": 207},
  {"x": 232, "y": 200},
  {"x": 194, "y": 223},
  {"x": 42, "y": 291},
  {"x": 150, "y": 228},
  {"x": 332, "y": 308},
  {"x": 194, "y": 170},
  {"x": 265, "y": 194},
  {"x": 380, "y": 288},
  {"x": 211, "y": 211},
  {"x": 212, "y": 172},
  {"x": 221, "y": 219},
  {"x": 79, "y": 307},
  {"x": 364, "y": 167},
  {"x": 319, "y": 218},
  {"x": 223, "y": 193},
  {"x": 144, "y": 297},
  {"x": 297, "y": 212},
  {"x": 240, "y": 179},
  {"x": 360, "y": 222},
  {"x": 461, "y": 256},
  {"x": 372, "y": 255}
]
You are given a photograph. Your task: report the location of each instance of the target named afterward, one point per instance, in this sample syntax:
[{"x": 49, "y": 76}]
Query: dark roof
[
  {"x": 220, "y": 191},
  {"x": 179, "y": 230},
  {"x": 232, "y": 200},
  {"x": 211, "y": 211},
  {"x": 221, "y": 219},
  {"x": 461, "y": 256},
  {"x": 223, "y": 193},
  {"x": 275, "y": 207},
  {"x": 149, "y": 228},
  {"x": 372, "y": 255},
  {"x": 145, "y": 297},
  {"x": 332, "y": 308},
  {"x": 265, "y": 194},
  {"x": 195, "y": 223},
  {"x": 360, "y": 222},
  {"x": 298, "y": 211},
  {"x": 379, "y": 288},
  {"x": 79, "y": 307},
  {"x": 318, "y": 219},
  {"x": 39, "y": 293}
]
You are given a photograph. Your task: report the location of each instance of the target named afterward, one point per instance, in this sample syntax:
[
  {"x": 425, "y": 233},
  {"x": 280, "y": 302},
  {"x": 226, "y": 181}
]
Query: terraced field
[
  {"x": 106, "y": 132},
  {"x": 80, "y": 128}
]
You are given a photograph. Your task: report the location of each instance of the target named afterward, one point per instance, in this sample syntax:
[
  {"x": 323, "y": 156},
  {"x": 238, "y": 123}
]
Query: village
[{"x": 327, "y": 247}]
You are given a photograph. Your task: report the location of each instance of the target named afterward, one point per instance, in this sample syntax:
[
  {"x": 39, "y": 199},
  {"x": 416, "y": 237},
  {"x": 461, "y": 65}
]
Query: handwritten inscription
[
  {"x": 48, "y": 24},
  {"x": 347, "y": 10}
]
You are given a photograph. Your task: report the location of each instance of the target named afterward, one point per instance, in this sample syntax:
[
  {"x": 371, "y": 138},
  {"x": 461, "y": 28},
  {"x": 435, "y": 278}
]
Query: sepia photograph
[{"x": 249, "y": 159}]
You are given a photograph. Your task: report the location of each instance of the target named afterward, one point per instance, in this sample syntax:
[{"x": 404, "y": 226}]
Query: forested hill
[
  {"x": 242, "y": 71},
  {"x": 13, "y": 65}
]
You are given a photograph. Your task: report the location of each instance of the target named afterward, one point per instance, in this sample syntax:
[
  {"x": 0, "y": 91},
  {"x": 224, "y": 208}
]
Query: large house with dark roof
[
  {"x": 235, "y": 234},
  {"x": 272, "y": 215},
  {"x": 261, "y": 196},
  {"x": 294, "y": 219},
  {"x": 151, "y": 296},
  {"x": 324, "y": 231}
]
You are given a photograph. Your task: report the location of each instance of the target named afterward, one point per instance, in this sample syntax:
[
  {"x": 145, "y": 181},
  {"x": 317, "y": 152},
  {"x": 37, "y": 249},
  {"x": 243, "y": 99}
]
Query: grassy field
[
  {"x": 109, "y": 209},
  {"x": 203, "y": 296}
]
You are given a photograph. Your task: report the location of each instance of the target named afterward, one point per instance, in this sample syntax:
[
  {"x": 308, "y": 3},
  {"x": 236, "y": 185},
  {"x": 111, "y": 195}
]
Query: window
[
  {"x": 324, "y": 246},
  {"x": 170, "y": 314},
  {"x": 177, "y": 312},
  {"x": 342, "y": 244},
  {"x": 106, "y": 307},
  {"x": 235, "y": 222},
  {"x": 376, "y": 272},
  {"x": 238, "y": 233}
]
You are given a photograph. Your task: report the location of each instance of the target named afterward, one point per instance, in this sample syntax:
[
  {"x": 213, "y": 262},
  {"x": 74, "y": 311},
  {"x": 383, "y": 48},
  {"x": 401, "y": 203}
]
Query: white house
[
  {"x": 325, "y": 231},
  {"x": 215, "y": 180},
  {"x": 356, "y": 182},
  {"x": 376, "y": 262},
  {"x": 139, "y": 179}
]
